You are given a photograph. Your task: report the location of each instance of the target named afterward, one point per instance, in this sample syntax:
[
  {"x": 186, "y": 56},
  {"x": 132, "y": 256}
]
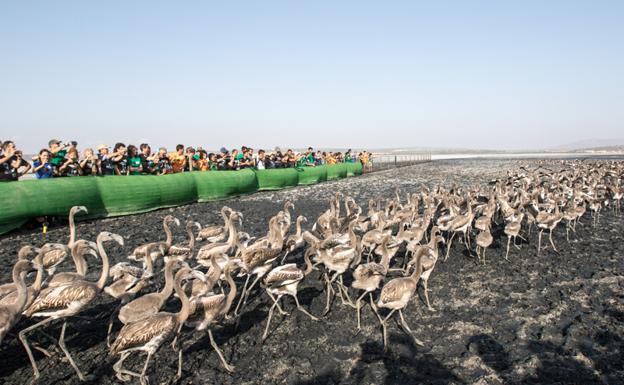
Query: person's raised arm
[{"x": 8, "y": 154}]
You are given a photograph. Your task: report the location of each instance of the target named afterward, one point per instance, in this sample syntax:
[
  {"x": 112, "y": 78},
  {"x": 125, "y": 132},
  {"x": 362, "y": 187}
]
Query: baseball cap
[
  {"x": 53, "y": 141},
  {"x": 101, "y": 146},
  {"x": 223, "y": 149}
]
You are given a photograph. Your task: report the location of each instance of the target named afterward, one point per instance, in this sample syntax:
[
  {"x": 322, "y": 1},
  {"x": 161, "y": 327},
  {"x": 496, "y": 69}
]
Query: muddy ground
[{"x": 557, "y": 318}]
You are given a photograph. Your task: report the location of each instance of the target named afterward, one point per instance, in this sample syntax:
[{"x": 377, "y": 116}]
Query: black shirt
[
  {"x": 106, "y": 164},
  {"x": 7, "y": 171},
  {"x": 122, "y": 165},
  {"x": 72, "y": 169},
  {"x": 163, "y": 165},
  {"x": 90, "y": 168}
]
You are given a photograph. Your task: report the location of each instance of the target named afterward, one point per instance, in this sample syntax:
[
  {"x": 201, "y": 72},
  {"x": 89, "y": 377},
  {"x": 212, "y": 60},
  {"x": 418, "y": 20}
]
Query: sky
[{"x": 361, "y": 74}]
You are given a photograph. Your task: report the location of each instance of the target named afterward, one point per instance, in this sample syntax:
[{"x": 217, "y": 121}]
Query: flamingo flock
[{"x": 375, "y": 258}]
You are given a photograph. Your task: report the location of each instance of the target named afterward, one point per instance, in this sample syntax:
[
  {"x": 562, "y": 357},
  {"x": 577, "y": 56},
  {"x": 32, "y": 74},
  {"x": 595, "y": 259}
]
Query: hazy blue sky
[{"x": 495, "y": 74}]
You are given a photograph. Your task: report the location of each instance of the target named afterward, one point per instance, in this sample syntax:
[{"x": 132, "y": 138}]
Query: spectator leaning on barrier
[
  {"x": 42, "y": 167},
  {"x": 89, "y": 163},
  {"x": 106, "y": 165}
]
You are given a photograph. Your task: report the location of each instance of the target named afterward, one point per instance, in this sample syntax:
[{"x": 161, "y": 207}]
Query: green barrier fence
[
  {"x": 277, "y": 179},
  {"x": 224, "y": 184},
  {"x": 119, "y": 195},
  {"x": 312, "y": 175},
  {"x": 336, "y": 171}
]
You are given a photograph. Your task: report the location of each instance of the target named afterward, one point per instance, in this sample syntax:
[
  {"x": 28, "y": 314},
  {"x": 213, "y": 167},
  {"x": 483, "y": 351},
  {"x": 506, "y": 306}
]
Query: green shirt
[
  {"x": 239, "y": 156},
  {"x": 310, "y": 158},
  {"x": 59, "y": 158},
  {"x": 135, "y": 162}
]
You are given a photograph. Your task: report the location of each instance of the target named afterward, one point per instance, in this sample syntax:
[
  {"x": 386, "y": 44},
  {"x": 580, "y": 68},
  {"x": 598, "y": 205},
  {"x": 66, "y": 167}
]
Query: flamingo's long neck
[
  {"x": 169, "y": 281},
  {"x": 169, "y": 240},
  {"x": 79, "y": 261},
  {"x": 105, "y": 264},
  {"x": 22, "y": 291},
  {"x": 299, "y": 227},
  {"x": 189, "y": 232},
  {"x": 72, "y": 230},
  {"x": 232, "y": 294},
  {"x": 185, "y": 310}
]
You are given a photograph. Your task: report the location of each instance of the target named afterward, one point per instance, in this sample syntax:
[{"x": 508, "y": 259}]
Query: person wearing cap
[
  {"x": 178, "y": 159},
  {"x": 58, "y": 151},
  {"x": 105, "y": 163}
]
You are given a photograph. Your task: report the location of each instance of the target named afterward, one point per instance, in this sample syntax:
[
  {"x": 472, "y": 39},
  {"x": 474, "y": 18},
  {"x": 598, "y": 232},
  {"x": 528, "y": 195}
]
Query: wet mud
[{"x": 556, "y": 318}]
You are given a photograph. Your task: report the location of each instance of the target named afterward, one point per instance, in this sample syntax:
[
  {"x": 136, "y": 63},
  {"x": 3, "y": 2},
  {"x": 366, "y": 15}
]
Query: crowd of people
[{"x": 63, "y": 159}]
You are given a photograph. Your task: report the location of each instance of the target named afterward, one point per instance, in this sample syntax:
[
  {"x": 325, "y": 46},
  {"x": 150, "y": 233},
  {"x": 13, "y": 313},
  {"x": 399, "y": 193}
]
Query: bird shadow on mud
[
  {"x": 491, "y": 352},
  {"x": 402, "y": 364},
  {"x": 554, "y": 364}
]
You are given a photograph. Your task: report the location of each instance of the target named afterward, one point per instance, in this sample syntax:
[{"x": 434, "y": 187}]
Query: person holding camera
[
  {"x": 9, "y": 162},
  {"x": 120, "y": 159},
  {"x": 58, "y": 151},
  {"x": 89, "y": 163},
  {"x": 105, "y": 163},
  {"x": 42, "y": 168},
  {"x": 163, "y": 165},
  {"x": 71, "y": 166}
]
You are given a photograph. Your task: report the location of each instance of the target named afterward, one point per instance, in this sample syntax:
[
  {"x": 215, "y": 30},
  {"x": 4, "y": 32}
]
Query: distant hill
[{"x": 592, "y": 145}]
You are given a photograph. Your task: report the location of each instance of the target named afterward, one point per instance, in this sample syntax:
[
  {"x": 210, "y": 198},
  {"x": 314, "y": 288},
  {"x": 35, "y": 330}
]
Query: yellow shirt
[{"x": 177, "y": 161}]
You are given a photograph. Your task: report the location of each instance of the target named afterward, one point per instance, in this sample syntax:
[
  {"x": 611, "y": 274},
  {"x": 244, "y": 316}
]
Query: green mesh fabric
[
  {"x": 354, "y": 169},
  {"x": 33, "y": 198},
  {"x": 121, "y": 195},
  {"x": 312, "y": 175},
  {"x": 277, "y": 179},
  {"x": 214, "y": 185},
  {"x": 336, "y": 171}
]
